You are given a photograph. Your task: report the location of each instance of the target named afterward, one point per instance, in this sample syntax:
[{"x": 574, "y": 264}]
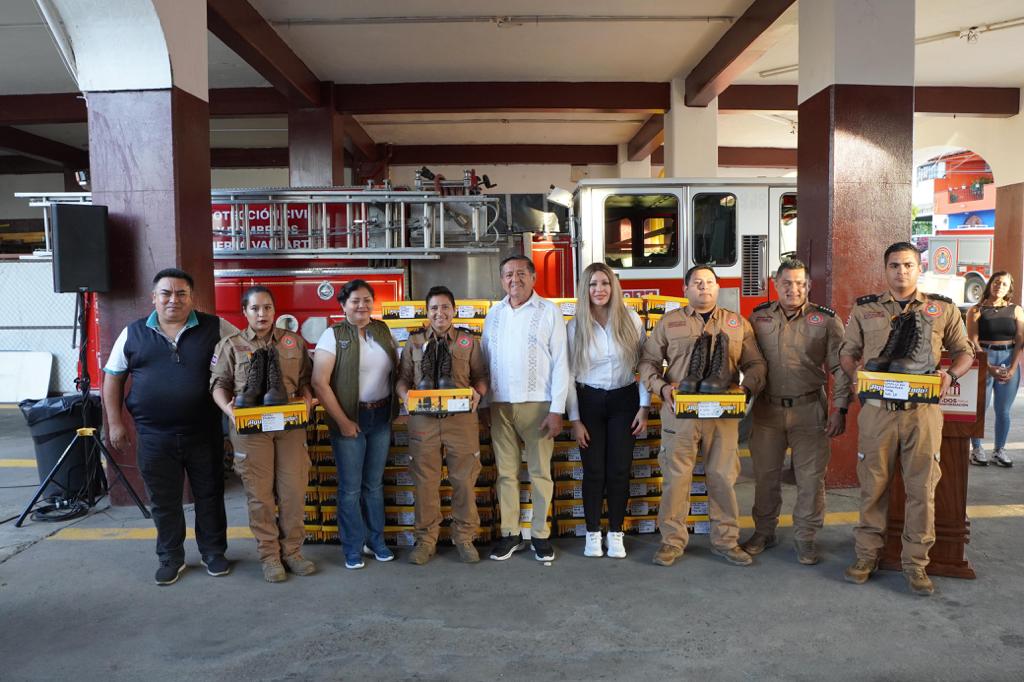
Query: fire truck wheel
[{"x": 973, "y": 289}]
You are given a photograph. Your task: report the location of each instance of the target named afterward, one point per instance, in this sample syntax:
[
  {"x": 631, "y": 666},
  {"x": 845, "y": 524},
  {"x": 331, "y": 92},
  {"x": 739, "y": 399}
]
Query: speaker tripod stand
[{"x": 94, "y": 446}]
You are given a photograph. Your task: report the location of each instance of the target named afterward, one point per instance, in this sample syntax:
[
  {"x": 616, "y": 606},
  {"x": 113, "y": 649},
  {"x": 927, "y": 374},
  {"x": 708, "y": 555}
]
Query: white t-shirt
[{"x": 374, "y": 365}]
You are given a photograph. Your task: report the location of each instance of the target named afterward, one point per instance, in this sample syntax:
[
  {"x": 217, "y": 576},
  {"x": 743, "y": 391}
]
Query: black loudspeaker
[{"x": 79, "y": 241}]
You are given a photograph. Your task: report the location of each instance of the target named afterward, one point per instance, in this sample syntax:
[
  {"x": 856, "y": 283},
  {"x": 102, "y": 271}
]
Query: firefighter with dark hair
[
  {"x": 437, "y": 357},
  {"x": 902, "y": 330}
]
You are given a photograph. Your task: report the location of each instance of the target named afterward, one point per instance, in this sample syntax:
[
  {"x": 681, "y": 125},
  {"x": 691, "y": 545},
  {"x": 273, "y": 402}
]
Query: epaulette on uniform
[
  {"x": 762, "y": 306},
  {"x": 870, "y": 298},
  {"x": 940, "y": 297},
  {"x": 823, "y": 309}
]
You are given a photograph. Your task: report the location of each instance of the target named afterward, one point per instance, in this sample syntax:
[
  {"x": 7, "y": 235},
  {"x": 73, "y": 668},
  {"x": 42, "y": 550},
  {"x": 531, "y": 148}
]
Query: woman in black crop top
[{"x": 996, "y": 326}]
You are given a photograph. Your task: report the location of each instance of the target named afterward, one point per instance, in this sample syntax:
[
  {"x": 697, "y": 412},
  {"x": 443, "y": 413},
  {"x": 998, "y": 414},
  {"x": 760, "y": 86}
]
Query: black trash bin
[{"x": 52, "y": 423}]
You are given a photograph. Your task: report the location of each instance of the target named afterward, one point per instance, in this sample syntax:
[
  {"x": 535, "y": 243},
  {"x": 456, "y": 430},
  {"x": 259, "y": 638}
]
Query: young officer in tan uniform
[
  {"x": 800, "y": 342},
  {"x": 458, "y": 433},
  {"x": 273, "y": 466},
  {"x": 715, "y": 439},
  {"x": 889, "y": 429}
]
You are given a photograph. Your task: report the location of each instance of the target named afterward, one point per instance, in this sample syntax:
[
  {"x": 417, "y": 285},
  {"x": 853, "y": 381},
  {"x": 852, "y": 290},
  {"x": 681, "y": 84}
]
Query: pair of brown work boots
[
  {"x": 436, "y": 367},
  {"x": 908, "y": 350},
  {"x": 264, "y": 383},
  {"x": 709, "y": 370}
]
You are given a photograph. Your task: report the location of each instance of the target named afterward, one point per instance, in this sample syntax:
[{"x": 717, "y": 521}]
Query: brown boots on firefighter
[
  {"x": 264, "y": 384},
  {"x": 908, "y": 349}
]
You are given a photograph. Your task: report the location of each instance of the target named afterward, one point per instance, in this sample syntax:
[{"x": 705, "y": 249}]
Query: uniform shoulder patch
[
  {"x": 824, "y": 309},
  {"x": 763, "y": 306},
  {"x": 870, "y": 298},
  {"x": 940, "y": 297}
]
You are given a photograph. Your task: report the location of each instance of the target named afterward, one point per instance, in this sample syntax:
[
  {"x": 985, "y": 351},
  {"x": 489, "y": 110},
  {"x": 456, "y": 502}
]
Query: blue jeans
[
  {"x": 1004, "y": 397},
  {"x": 360, "y": 461}
]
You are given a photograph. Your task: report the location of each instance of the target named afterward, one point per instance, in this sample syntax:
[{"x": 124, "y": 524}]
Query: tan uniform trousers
[
  {"x": 509, "y": 420},
  {"x": 802, "y": 428},
  {"x": 274, "y": 467},
  {"x": 681, "y": 440},
  {"x": 914, "y": 437},
  {"x": 460, "y": 436}
]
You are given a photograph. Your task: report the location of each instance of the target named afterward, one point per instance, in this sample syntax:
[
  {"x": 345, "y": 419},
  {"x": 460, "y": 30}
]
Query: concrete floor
[{"x": 88, "y": 610}]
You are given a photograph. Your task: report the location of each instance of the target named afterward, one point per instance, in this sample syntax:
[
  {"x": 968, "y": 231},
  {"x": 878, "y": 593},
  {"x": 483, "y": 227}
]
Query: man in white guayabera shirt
[{"x": 524, "y": 341}]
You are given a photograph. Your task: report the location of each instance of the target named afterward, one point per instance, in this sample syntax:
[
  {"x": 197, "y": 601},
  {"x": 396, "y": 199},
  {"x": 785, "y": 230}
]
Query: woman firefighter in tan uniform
[{"x": 273, "y": 465}]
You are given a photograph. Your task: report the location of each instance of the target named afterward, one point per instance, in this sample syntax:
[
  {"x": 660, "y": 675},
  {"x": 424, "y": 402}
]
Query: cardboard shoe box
[
  {"x": 914, "y": 388},
  {"x": 439, "y": 401},
  {"x": 729, "y": 405},
  {"x": 266, "y": 419}
]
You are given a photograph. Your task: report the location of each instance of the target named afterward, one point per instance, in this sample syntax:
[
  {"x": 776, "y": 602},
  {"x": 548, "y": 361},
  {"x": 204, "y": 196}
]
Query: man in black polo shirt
[{"x": 178, "y": 425}]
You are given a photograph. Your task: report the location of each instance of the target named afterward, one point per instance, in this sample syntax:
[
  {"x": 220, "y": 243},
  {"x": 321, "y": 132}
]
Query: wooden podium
[{"x": 964, "y": 419}]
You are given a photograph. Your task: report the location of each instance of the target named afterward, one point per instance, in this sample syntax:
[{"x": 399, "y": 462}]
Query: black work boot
[
  {"x": 427, "y": 367},
  {"x": 275, "y": 395},
  {"x": 699, "y": 359},
  {"x": 915, "y": 355},
  {"x": 444, "y": 366},
  {"x": 255, "y": 378},
  {"x": 897, "y": 328},
  {"x": 719, "y": 376}
]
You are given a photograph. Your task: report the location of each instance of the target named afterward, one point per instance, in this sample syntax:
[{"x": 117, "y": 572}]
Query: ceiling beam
[
  {"x": 981, "y": 102},
  {"x": 758, "y": 98},
  {"x": 650, "y": 136},
  {"x": 243, "y": 102},
  {"x": 22, "y": 165},
  {"x": 573, "y": 154},
  {"x": 744, "y": 157},
  {"x": 42, "y": 148},
  {"x": 414, "y": 98},
  {"x": 64, "y": 107},
  {"x": 359, "y": 140},
  {"x": 249, "y": 157},
  {"x": 243, "y": 29},
  {"x": 734, "y": 52}
]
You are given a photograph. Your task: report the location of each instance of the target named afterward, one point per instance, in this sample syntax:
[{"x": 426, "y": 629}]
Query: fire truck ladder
[{"x": 341, "y": 223}]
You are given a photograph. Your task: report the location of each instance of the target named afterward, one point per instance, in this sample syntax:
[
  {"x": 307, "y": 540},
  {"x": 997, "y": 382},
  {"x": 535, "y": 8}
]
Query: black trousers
[
  {"x": 164, "y": 459},
  {"x": 607, "y": 460}
]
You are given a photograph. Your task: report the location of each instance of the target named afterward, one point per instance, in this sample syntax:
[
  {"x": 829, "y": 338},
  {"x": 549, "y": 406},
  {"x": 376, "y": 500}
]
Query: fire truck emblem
[
  {"x": 325, "y": 291},
  {"x": 943, "y": 259}
]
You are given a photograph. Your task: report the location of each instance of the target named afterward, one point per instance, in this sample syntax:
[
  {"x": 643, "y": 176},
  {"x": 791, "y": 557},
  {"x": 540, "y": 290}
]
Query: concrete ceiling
[{"x": 453, "y": 49}]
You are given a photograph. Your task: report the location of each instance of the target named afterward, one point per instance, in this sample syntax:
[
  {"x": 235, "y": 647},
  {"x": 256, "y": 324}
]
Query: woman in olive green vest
[{"x": 354, "y": 377}]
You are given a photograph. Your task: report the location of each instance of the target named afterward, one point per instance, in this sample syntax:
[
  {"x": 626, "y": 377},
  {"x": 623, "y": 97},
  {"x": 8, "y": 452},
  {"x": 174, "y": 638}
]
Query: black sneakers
[
  {"x": 543, "y": 550},
  {"x": 216, "y": 565},
  {"x": 169, "y": 572},
  {"x": 507, "y": 546}
]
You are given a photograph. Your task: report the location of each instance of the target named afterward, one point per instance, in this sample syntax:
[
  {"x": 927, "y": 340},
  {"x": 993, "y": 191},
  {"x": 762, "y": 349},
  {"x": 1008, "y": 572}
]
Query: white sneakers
[
  {"x": 616, "y": 550},
  {"x": 979, "y": 457},
  {"x": 593, "y": 547},
  {"x": 1001, "y": 458}
]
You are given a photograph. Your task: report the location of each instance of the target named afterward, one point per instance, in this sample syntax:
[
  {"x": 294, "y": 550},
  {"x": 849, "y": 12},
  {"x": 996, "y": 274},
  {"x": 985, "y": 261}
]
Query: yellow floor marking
[
  {"x": 985, "y": 511},
  {"x": 17, "y": 463},
  {"x": 8, "y": 406}
]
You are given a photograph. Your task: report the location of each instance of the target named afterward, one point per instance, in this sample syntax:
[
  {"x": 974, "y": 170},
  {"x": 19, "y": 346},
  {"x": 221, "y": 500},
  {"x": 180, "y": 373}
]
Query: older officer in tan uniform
[
  {"x": 800, "y": 342},
  {"x": 715, "y": 439},
  {"x": 273, "y": 466},
  {"x": 458, "y": 433},
  {"x": 889, "y": 429}
]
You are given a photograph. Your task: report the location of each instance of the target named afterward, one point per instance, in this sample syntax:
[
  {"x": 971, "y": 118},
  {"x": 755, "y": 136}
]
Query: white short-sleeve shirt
[{"x": 374, "y": 365}]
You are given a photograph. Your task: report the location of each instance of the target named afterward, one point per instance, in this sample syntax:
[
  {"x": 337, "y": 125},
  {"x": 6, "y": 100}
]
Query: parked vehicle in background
[{"x": 966, "y": 253}]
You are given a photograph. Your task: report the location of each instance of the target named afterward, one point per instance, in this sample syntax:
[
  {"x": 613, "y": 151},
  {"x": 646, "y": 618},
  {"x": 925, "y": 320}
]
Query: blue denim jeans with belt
[
  {"x": 1004, "y": 394},
  {"x": 361, "y": 460}
]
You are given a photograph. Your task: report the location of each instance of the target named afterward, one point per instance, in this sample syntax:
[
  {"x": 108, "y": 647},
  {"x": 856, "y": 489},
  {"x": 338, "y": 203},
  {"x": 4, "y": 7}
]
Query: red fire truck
[{"x": 965, "y": 252}]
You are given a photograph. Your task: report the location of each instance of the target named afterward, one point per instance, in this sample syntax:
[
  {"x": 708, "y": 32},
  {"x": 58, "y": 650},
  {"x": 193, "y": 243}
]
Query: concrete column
[
  {"x": 691, "y": 137},
  {"x": 316, "y": 144},
  {"x": 145, "y": 84},
  {"x": 1009, "y": 238},
  {"x": 855, "y": 156},
  {"x": 633, "y": 169}
]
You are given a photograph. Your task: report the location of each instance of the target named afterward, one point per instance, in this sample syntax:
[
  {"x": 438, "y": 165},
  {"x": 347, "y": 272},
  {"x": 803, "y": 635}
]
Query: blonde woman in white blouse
[{"x": 607, "y": 406}]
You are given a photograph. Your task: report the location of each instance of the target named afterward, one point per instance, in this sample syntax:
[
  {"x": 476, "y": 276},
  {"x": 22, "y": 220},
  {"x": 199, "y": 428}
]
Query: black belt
[
  {"x": 375, "y": 404},
  {"x": 997, "y": 346},
  {"x": 587, "y": 387},
  {"x": 804, "y": 399}
]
